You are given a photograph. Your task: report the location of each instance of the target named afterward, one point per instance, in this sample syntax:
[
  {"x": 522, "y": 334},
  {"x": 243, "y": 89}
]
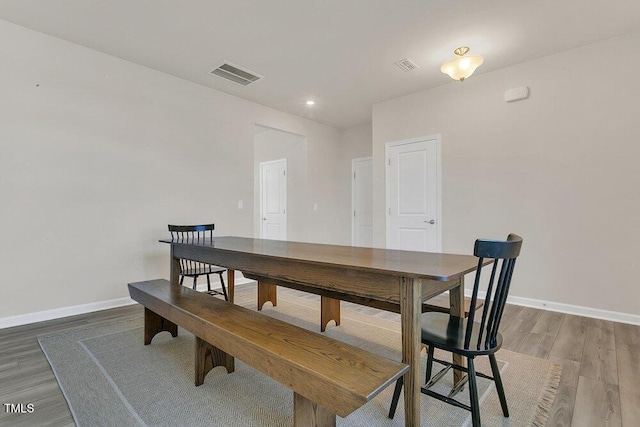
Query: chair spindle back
[
  {"x": 191, "y": 234},
  {"x": 504, "y": 253}
]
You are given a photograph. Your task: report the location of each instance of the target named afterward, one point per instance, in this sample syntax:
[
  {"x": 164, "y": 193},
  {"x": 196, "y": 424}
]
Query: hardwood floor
[{"x": 600, "y": 382}]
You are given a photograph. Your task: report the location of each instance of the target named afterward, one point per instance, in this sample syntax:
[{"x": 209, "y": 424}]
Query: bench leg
[
  {"x": 266, "y": 292},
  {"x": 207, "y": 358},
  {"x": 154, "y": 323},
  {"x": 309, "y": 414},
  {"x": 329, "y": 310}
]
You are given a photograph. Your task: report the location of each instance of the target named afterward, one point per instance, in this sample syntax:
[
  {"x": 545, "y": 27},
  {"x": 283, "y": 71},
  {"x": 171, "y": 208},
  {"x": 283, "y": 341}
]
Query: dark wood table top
[{"x": 425, "y": 265}]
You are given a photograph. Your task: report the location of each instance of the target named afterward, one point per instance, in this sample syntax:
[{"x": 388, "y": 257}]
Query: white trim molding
[
  {"x": 578, "y": 310},
  {"x": 57, "y": 313},
  {"x": 595, "y": 313}
]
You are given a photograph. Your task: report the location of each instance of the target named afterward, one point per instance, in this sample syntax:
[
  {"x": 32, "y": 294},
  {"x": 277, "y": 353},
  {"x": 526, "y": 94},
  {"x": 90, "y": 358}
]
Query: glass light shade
[{"x": 462, "y": 67}]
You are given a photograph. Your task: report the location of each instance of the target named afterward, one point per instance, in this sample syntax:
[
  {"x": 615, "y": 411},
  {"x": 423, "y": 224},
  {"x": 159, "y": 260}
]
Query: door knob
[{"x": 430, "y": 222}]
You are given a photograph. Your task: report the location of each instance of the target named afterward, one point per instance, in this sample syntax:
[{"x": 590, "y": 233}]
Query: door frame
[
  {"x": 437, "y": 139},
  {"x": 353, "y": 194},
  {"x": 286, "y": 188}
]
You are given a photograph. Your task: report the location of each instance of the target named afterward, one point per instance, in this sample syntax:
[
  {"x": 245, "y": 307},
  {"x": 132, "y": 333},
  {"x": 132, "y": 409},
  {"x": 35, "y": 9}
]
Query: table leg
[
  {"x": 174, "y": 269},
  {"x": 231, "y": 284},
  {"x": 410, "y": 311},
  {"x": 456, "y": 301}
]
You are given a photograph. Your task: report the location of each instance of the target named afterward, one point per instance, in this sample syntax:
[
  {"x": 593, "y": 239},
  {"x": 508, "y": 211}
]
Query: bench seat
[{"x": 327, "y": 376}]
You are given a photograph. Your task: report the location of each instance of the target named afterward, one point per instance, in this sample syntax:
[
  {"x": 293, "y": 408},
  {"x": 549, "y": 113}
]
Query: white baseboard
[
  {"x": 57, "y": 313},
  {"x": 595, "y": 313}
]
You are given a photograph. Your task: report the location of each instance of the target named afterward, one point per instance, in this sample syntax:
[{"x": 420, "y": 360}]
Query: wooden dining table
[{"x": 403, "y": 278}]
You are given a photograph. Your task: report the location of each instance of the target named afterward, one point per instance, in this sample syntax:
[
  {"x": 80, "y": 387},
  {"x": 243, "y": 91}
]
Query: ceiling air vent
[
  {"x": 236, "y": 74},
  {"x": 407, "y": 65}
]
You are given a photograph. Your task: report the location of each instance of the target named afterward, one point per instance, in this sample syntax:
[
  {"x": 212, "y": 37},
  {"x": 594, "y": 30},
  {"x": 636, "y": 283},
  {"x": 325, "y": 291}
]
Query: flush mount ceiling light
[
  {"x": 463, "y": 66},
  {"x": 310, "y": 102}
]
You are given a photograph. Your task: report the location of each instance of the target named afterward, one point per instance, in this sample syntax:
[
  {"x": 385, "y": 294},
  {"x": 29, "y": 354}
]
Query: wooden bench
[
  {"x": 330, "y": 301},
  {"x": 328, "y": 377}
]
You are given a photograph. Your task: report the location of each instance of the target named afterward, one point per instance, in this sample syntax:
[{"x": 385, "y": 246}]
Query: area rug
[{"x": 110, "y": 378}]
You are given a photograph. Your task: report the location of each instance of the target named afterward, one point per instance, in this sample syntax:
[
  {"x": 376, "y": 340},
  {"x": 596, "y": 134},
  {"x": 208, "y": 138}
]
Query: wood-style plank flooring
[{"x": 600, "y": 384}]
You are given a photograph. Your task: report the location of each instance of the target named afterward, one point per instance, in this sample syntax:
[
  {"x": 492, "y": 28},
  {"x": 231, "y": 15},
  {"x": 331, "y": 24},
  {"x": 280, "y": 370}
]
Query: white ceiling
[{"x": 340, "y": 53}]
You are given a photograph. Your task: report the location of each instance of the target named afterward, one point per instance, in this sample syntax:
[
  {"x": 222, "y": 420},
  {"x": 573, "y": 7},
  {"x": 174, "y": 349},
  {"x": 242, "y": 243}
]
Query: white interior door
[
  {"x": 362, "y": 202},
  {"x": 413, "y": 207},
  {"x": 273, "y": 200}
]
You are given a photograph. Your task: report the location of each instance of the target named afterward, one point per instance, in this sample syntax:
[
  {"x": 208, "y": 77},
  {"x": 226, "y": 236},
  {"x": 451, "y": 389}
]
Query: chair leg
[
  {"x": 430, "y": 351},
  {"x": 224, "y": 288},
  {"x": 498, "y": 381},
  {"x": 208, "y": 284},
  {"x": 473, "y": 393},
  {"x": 195, "y": 282},
  {"x": 181, "y": 280},
  {"x": 396, "y": 397}
]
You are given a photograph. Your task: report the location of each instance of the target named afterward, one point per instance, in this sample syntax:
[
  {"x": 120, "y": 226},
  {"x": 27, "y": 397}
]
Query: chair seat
[
  {"x": 448, "y": 332},
  {"x": 203, "y": 269}
]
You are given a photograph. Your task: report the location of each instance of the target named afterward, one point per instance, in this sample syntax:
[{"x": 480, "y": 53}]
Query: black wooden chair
[
  {"x": 467, "y": 337},
  {"x": 188, "y": 268}
]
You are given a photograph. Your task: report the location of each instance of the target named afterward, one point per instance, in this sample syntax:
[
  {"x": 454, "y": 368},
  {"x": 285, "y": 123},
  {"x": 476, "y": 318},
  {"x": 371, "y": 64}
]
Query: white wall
[
  {"x": 356, "y": 142},
  {"x": 560, "y": 169},
  {"x": 98, "y": 155}
]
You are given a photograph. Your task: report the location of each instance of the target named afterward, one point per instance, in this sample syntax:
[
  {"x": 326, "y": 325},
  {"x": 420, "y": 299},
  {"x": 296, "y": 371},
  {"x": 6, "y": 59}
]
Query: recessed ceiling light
[{"x": 310, "y": 102}]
